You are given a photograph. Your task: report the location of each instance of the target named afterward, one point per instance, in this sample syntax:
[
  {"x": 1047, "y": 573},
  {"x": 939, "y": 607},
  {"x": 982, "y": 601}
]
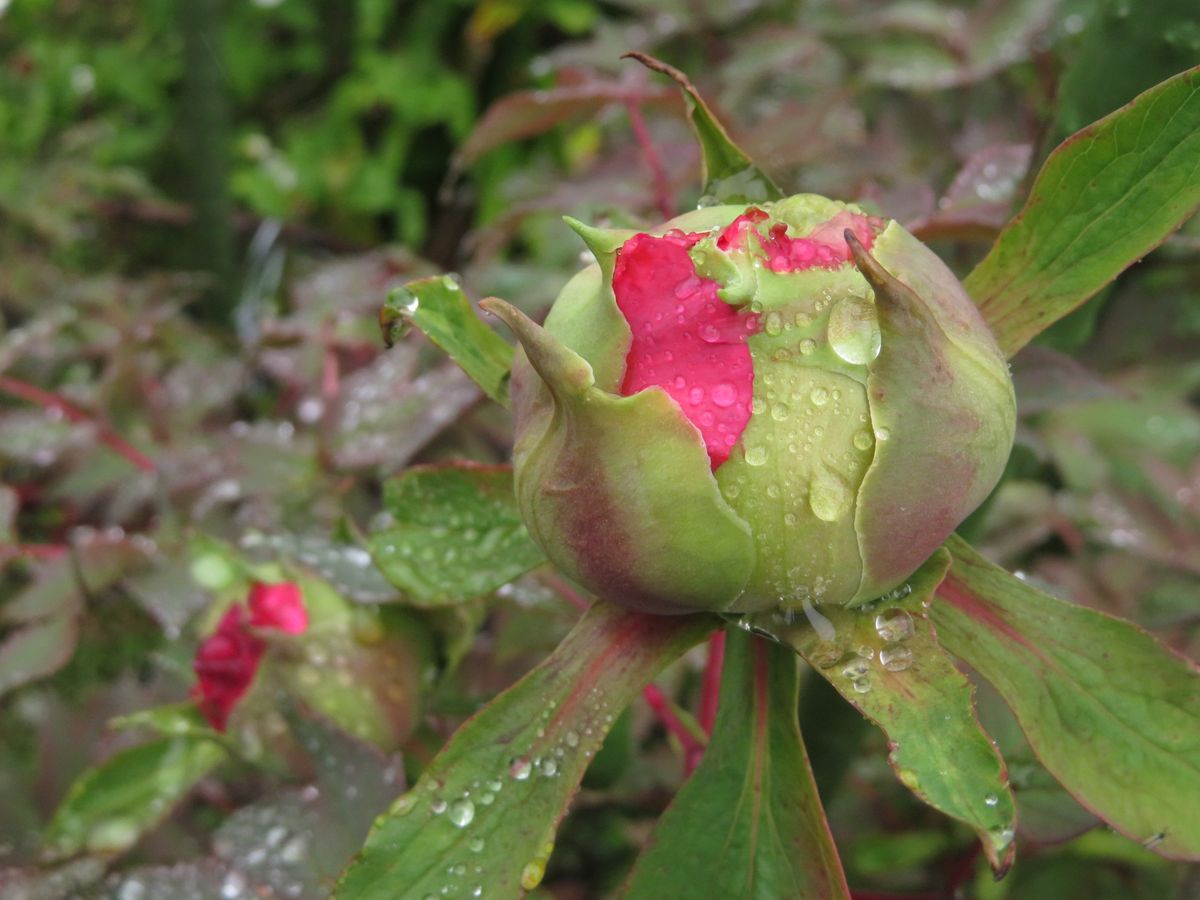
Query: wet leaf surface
[
  {"x": 885, "y": 659},
  {"x": 455, "y": 534},
  {"x": 766, "y": 834},
  {"x": 439, "y": 308},
  {"x": 1110, "y": 712},
  {"x": 484, "y": 812}
]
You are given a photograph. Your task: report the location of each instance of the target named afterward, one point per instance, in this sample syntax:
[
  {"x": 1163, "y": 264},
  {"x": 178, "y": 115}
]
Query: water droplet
[
  {"x": 520, "y": 768},
  {"x": 709, "y": 333},
  {"x": 773, "y": 323},
  {"x": 991, "y": 800},
  {"x": 819, "y": 396},
  {"x": 861, "y": 685},
  {"x": 233, "y": 885},
  {"x": 854, "y": 330},
  {"x": 826, "y": 655},
  {"x": 895, "y": 659},
  {"x": 696, "y": 395},
  {"x": 1002, "y": 837},
  {"x": 571, "y": 738},
  {"x": 882, "y": 434},
  {"x": 756, "y": 456},
  {"x": 724, "y": 394},
  {"x": 476, "y": 845},
  {"x": 863, "y": 440},
  {"x": 462, "y": 812},
  {"x": 894, "y": 625},
  {"x": 828, "y": 495},
  {"x": 549, "y": 767},
  {"x": 438, "y": 806},
  {"x": 857, "y": 668},
  {"x": 807, "y": 346},
  {"x": 531, "y": 875}
]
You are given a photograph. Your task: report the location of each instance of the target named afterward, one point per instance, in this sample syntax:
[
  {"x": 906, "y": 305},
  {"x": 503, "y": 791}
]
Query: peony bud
[
  {"x": 228, "y": 659},
  {"x": 752, "y": 408}
]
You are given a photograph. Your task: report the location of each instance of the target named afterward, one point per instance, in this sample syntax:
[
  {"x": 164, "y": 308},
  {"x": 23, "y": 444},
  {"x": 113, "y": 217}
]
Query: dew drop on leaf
[
  {"x": 894, "y": 625},
  {"x": 462, "y": 812},
  {"x": 896, "y": 659}
]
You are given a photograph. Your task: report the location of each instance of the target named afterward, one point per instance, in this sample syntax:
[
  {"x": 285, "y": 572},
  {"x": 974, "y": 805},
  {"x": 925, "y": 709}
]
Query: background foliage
[{"x": 203, "y": 205}]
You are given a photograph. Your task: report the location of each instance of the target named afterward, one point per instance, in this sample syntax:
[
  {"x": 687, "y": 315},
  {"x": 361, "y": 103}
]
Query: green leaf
[
  {"x": 171, "y": 720},
  {"x": 440, "y": 309},
  {"x": 1046, "y": 813},
  {"x": 1104, "y": 199},
  {"x": 1111, "y": 713},
  {"x": 485, "y": 810},
  {"x": 748, "y": 823},
  {"x": 110, "y": 806},
  {"x": 455, "y": 534},
  {"x": 885, "y": 659},
  {"x": 729, "y": 174},
  {"x": 36, "y": 650},
  {"x": 1122, "y": 54}
]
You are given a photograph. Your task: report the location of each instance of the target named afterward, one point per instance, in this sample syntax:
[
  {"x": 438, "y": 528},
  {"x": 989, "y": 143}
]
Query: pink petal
[
  {"x": 278, "y": 606},
  {"x": 225, "y": 665},
  {"x": 686, "y": 340}
]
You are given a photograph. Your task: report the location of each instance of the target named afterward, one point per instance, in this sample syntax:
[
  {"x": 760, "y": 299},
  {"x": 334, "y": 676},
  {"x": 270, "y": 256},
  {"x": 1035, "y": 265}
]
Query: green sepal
[
  {"x": 729, "y": 175},
  {"x": 602, "y": 242},
  {"x": 937, "y": 364},
  {"x": 618, "y": 490}
]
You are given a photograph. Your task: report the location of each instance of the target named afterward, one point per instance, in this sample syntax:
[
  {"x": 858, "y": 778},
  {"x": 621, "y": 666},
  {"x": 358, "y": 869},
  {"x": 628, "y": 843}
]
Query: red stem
[
  {"x": 73, "y": 413},
  {"x": 710, "y": 690},
  {"x": 35, "y": 551},
  {"x": 566, "y": 591},
  {"x": 662, "y": 187},
  {"x": 692, "y": 748}
]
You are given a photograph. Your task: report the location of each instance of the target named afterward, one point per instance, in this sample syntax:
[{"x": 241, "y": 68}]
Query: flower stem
[
  {"x": 72, "y": 413},
  {"x": 662, "y": 187}
]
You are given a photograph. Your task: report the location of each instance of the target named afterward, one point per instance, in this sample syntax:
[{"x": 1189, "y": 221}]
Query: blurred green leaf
[
  {"x": 111, "y": 806},
  {"x": 748, "y": 823},
  {"x": 455, "y": 533},
  {"x": 485, "y": 811},
  {"x": 729, "y": 175},
  {"x": 440, "y": 309},
  {"x": 1106, "y": 197},
  {"x": 1124, "y": 50},
  {"x": 930, "y": 45},
  {"x": 1111, "y": 713},
  {"x": 172, "y": 720},
  {"x": 885, "y": 659},
  {"x": 37, "y": 649}
]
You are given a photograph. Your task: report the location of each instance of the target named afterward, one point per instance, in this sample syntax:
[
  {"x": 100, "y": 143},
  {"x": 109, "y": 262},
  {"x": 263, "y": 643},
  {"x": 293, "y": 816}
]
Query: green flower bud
[{"x": 755, "y": 408}]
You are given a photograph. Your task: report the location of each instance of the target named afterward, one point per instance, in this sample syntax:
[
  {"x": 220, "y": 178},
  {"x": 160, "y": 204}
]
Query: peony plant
[{"x": 761, "y": 423}]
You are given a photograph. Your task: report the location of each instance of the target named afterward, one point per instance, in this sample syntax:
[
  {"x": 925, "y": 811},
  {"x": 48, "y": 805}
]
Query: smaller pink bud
[
  {"x": 278, "y": 606},
  {"x": 228, "y": 659}
]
